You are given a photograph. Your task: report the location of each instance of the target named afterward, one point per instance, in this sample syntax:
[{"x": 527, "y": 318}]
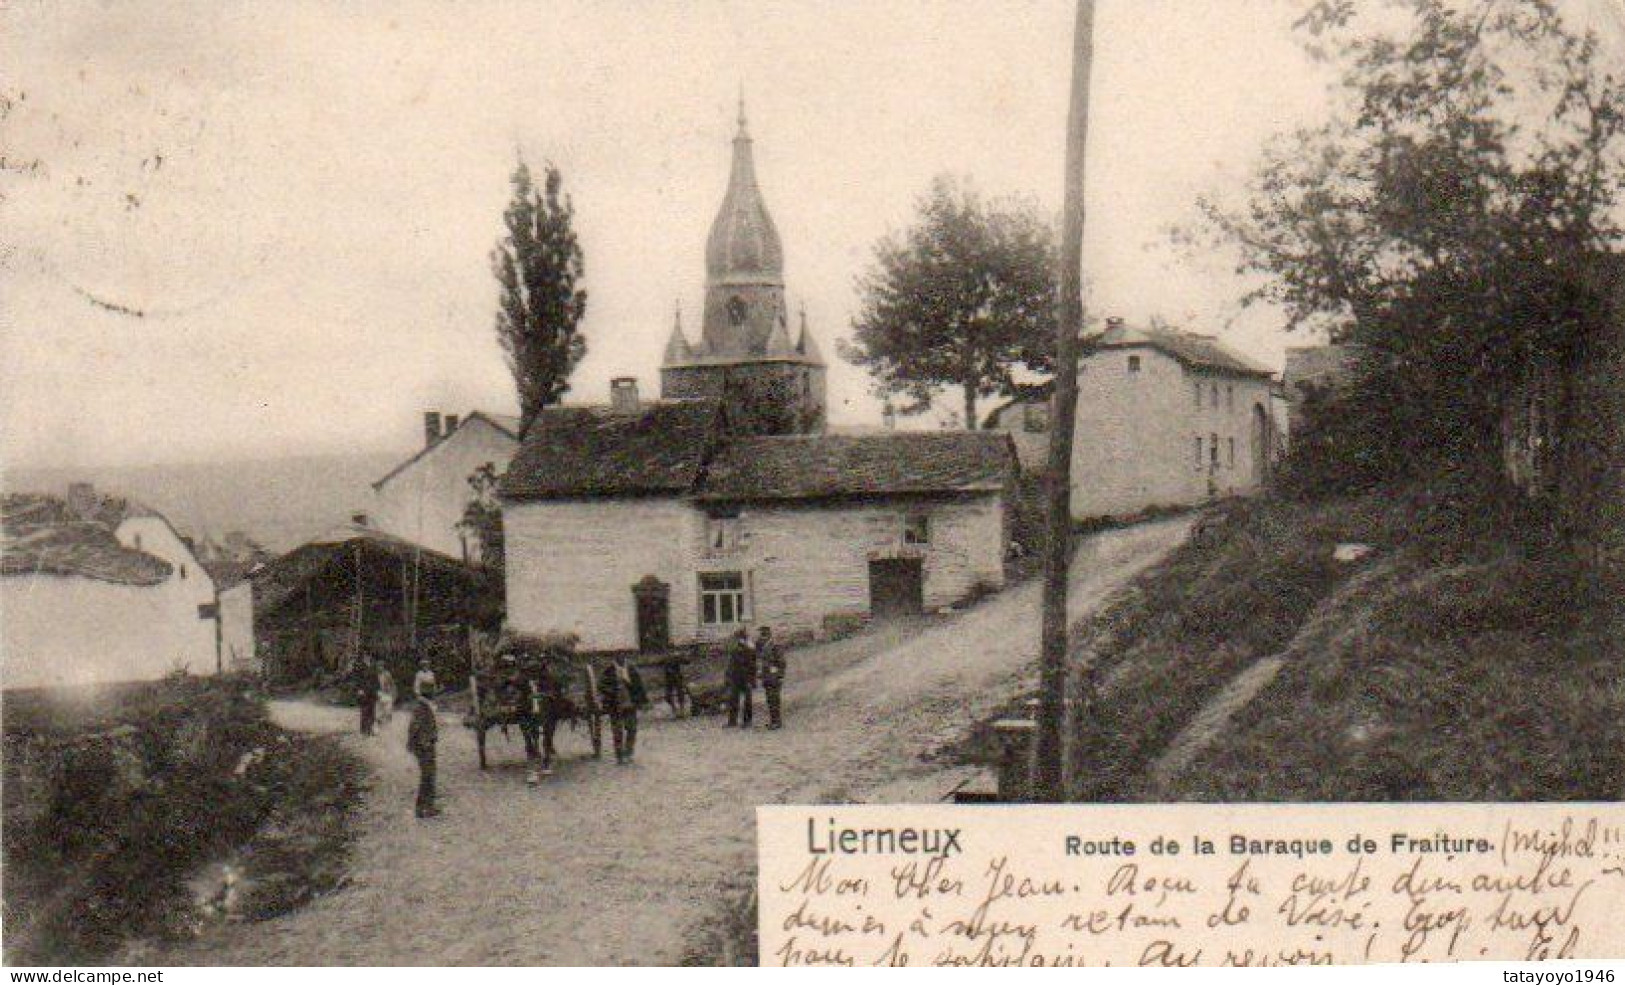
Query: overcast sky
[{"x": 301, "y": 198}]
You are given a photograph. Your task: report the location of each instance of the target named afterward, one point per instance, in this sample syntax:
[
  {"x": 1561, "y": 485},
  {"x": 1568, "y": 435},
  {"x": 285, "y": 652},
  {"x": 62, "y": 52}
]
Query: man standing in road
[
  {"x": 741, "y": 679},
  {"x": 422, "y": 736},
  {"x": 365, "y": 680},
  {"x": 770, "y": 656},
  {"x": 621, "y": 688}
]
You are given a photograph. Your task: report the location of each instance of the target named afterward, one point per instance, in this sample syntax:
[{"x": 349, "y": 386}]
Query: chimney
[
  {"x": 450, "y": 425},
  {"x": 431, "y": 427},
  {"x": 81, "y": 499},
  {"x": 1114, "y": 328},
  {"x": 623, "y": 394}
]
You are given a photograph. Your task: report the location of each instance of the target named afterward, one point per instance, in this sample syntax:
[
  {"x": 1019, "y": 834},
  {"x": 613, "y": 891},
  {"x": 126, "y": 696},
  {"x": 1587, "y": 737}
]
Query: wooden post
[
  {"x": 360, "y": 602},
  {"x": 1048, "y": 784}
]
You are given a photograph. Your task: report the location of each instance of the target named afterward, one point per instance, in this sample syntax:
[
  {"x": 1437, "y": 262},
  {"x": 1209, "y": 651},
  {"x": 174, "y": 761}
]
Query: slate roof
[
  {"x": 42, "y": 536},
  {"x": 573, "y": 452},
  {"x": 1192, "y": 351},
  {"x": 830, "y": 466}
]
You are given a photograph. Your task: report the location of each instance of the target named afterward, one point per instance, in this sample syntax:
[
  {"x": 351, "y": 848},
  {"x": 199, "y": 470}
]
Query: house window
[
  {"x": 721, "y": 534},
  {"x": 1133, "y": 364},
  {"x": 138, "y": 542},
  {"x": 1197, "y": 389},
  {"x": 1229, "y": 397},
  {"x": 722, "y": 598},
  {"x": 1232, "y": 452},
  {"x": 917, "y": 529},
  {"x": 1213, "y": 450},
  {"x": 183, "y": 572},
  {"x": 1215, "y": 396},
  {"x": 1198, "y": 451}
]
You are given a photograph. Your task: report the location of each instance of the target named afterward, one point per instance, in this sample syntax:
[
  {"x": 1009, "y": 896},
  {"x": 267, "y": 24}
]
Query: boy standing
[
  {"x": 771, "y": 657},
  {"x": 422, "y": 735},
  {"x": 741, "y": 678}
]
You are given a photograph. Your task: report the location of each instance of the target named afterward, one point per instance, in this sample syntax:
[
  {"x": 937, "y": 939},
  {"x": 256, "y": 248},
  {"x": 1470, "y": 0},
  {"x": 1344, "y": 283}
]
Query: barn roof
[
  {"x": 1191, "y": 351},
  {"x": 823, "y": 466},
  {"x": 597, "y": 451},
  {"x": 43, "y": 536},
  {"x": 284, "y": 577}
]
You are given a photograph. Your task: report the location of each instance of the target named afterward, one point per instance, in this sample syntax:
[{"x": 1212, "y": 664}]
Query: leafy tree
[
  {"x": 1447, "y": 220},
  {"x": 959, "y": 300},
  {"x": 539, "y": 266},
  {"x": 482, "y": 517}
]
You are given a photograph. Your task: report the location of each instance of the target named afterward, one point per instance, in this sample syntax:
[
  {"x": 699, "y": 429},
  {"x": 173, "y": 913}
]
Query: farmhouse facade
[
  {"x": 639, "y": 529},
  {"x": 65, "y": 560},
  {"x": 1164, "y": 419},
  {"x": 422, "y": 500}
]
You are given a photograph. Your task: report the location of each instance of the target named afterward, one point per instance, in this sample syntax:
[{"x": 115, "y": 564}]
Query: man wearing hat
[{"x": 422, "y": 736}]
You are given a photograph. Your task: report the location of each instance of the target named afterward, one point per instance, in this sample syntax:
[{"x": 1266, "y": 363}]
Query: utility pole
[{"x": 1048, "y": 784}]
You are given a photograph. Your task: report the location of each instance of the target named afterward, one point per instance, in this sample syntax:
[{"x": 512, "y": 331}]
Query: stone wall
[
  {"x": 572, "y": 564},
  {"x": 770, "y": 397}
]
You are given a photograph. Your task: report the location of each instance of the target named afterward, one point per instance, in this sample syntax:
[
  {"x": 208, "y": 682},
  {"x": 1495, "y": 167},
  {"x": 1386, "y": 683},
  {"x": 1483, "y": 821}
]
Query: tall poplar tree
[{"x": 539, "y": 268}]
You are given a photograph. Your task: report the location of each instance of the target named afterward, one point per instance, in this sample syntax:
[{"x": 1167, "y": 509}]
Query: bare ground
[{"x": 612, "y": 865}]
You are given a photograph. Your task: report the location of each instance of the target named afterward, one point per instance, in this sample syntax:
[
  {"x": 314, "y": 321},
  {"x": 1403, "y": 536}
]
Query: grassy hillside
[
  {"x": 1467, "y": 657},
  {"x": 145, "y": 811},
  {"x": 280, "y": 502}
]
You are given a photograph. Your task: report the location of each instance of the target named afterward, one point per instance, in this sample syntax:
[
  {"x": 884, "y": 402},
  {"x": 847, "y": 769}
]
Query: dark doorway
[
  {"x": 896, "y": 587},
  {"x": 654, "y": 614}
]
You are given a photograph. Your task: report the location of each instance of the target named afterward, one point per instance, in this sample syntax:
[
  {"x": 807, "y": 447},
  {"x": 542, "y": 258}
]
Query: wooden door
[{"x": 896, "y": 587}]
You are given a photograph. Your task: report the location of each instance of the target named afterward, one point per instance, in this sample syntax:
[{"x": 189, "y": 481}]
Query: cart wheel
[{"x": 479, "y": 740}]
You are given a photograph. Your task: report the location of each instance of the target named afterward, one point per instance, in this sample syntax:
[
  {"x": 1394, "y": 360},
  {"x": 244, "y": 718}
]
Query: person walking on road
[
  {"x": 677, "y": 696},
  {"x": 422, "y": 736},
  {"x": 621, "y": 688},
  {"x": 770, "y": 657},
  {"x": 386, "y": 695},
  {"x": 741, "y": 679},
  {"x": 365, "y": 680}
]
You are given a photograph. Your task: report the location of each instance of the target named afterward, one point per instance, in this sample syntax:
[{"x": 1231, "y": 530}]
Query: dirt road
[{"x": 605, "y": 864}]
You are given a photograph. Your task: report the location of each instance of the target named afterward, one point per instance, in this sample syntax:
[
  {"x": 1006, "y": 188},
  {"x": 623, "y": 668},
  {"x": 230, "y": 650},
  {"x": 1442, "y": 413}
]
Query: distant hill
[{"x": 280, "y": 502}]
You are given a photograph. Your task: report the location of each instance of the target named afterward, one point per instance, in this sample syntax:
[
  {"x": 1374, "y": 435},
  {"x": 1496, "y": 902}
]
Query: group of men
[
  {"x": 748, "y": 663},
  {"x": 621, "y": 694}
]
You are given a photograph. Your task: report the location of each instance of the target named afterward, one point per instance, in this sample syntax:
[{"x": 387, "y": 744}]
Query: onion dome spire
[{"x": 744, "y": 245}]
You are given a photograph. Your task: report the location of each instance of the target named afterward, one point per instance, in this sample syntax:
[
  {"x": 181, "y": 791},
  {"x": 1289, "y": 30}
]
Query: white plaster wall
[{"x": 424, "y": 502}]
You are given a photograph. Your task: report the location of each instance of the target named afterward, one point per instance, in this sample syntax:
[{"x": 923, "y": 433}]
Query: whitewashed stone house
[
  {"x": 1164, "y": 419},
  {"x": 422, "y": 500},
  {"x": 99, "y": 594},
  {"x": 640, "y": 525}
]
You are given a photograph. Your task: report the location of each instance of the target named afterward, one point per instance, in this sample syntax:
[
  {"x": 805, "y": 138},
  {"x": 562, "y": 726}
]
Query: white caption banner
[{"x": 1190, "y": 885}]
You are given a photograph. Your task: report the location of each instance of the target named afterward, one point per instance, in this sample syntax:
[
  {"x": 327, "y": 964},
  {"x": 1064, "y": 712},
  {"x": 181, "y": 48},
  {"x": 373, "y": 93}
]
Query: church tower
[{"x": 745, "y": 354}]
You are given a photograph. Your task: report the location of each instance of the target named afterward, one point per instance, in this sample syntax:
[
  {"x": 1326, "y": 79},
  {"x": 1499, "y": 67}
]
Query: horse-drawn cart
[{"x": 533, "y": 686}]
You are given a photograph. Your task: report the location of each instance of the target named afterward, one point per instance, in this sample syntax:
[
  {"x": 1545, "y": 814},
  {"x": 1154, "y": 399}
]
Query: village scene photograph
[{"x": 460, "y": 460}]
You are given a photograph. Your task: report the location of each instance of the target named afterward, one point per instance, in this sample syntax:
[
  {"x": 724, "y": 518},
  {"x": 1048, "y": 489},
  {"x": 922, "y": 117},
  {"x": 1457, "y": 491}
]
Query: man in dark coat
[
  {"x": 422, "y": 736},
  {"x": 677, "y": 696},
  {"x": 770, "y": 657},
  {"x": 365, "y": 681},
  {"x": 620, "y": 689},
  {"x": 741, "y": 679}
]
